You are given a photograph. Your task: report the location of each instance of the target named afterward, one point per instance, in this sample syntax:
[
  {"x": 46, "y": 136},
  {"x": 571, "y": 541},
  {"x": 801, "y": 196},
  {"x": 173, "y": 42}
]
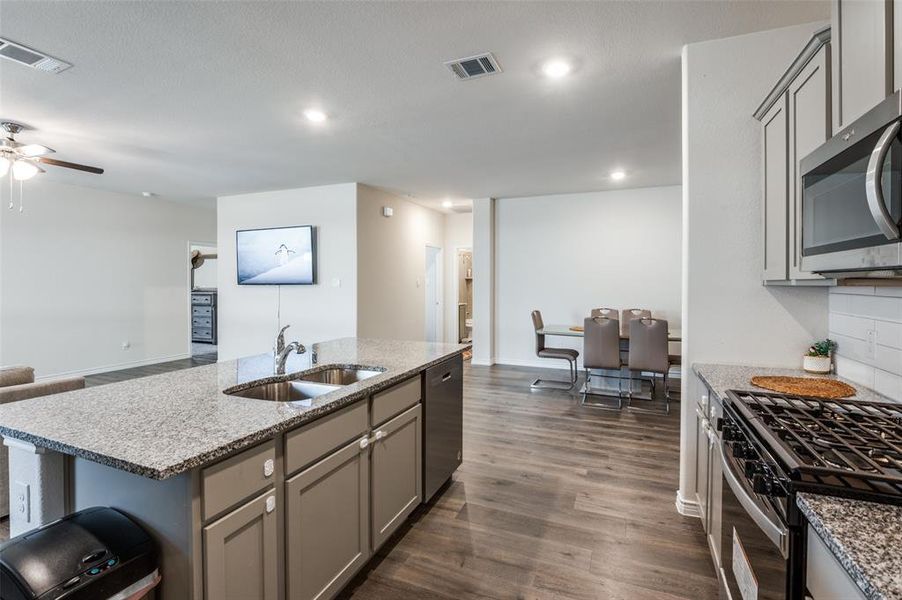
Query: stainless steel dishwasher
[{"x": 442, "y": 423}]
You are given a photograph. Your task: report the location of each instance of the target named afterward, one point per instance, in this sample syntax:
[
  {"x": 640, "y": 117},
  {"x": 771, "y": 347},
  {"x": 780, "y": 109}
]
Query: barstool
[{"x": 560, "y": 353}]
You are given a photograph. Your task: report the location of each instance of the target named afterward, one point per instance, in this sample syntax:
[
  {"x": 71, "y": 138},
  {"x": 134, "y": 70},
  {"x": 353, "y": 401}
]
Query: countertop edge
[
  {"x": 855, "y": 571},
  {"x": 227, "y": 449}
]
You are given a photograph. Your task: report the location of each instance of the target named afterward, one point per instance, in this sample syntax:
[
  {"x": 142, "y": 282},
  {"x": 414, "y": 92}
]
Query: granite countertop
[
  {"x": 865, "y": 537},
  {"x": 721, "y": 378},
  {"x": 166, "y": 424}
]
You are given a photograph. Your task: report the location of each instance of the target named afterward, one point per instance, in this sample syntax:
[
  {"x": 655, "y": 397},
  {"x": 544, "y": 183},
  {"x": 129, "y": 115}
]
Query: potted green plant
[{"x": 819, "y": 358}]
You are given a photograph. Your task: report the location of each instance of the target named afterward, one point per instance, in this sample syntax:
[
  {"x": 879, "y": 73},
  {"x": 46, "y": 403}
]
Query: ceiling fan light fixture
[
  {"x": 4, "y": 166},
  {"x": 24, "y": 170}
]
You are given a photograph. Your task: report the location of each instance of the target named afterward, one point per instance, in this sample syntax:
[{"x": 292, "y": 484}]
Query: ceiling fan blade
[
  {"x": 33, "y": 150},
  {"x": 69, "y": 165}
]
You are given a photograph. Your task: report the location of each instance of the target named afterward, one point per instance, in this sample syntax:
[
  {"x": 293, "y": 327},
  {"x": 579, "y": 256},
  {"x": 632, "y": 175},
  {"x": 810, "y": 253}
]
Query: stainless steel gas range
[{"x": 773, "y": 446}]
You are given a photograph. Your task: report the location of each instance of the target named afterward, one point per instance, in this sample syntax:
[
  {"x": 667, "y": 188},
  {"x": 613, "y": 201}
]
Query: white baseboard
[
  {"x": 687, "y": 508},
  {"x": 481, "y": 363},
  {"x": 116, "y": 367}
]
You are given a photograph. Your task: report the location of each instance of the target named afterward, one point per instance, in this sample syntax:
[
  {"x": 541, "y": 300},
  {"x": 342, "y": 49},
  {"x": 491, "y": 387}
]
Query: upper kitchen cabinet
[
  {"x": 863, "y": 66},
  {"x": 795, "y": 119},
  {"x": 897, "y": 34}
]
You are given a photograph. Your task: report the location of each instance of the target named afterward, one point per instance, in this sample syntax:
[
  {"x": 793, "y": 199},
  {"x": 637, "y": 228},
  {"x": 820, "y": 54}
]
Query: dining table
[{"x": 673, "y": 335}]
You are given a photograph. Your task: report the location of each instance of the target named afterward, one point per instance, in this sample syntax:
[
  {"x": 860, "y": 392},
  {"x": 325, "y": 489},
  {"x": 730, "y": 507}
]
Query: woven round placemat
[
  {"x": 577, "y": 328},
  {"x": 805, "y": 386}
]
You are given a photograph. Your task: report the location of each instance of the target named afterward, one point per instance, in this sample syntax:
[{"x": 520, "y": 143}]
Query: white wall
[
  {"x": 247, "y": 314},
  {"x": 866, "y": 323},
  {"x": 207, "y": 275},
  {"x": 567, "y": 254},
  {"x": 728, "y": 316},
  {"x": 483, "y": 281},
  {"x": 458, "y": 234},
  {"x": 391, "y": 263},
  {"x": 84, "y": 270}
]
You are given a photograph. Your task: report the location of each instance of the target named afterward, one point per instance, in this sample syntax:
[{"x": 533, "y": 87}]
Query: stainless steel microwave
[{"x": 851, "y": 186}]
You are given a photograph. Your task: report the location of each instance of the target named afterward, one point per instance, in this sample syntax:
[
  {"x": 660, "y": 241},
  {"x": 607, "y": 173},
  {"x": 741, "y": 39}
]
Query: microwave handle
[{"x": 874, "y": 186}]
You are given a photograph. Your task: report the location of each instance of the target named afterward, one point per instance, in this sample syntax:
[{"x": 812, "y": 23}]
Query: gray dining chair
[
  {"x": 627, "y": 315},
  {"x": 542, "y": 351},
  {"x": 606, "y": 313},
  {"x": 648, "y": 354},
  {"x": 601, "y": 351}
]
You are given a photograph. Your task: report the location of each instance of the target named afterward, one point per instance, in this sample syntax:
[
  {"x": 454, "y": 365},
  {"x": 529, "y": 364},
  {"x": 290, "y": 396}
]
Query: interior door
[{"x": 433, "y": 294}]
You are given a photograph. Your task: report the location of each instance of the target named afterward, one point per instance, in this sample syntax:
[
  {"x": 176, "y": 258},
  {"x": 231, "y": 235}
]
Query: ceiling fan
[{"x": 23, "y": 159}]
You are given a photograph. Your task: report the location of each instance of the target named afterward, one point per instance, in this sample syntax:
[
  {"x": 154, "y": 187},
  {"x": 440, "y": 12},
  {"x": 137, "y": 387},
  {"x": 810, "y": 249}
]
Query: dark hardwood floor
[
  {"x": 553, "y": 500},
  {"x": 165, "y": 367}
]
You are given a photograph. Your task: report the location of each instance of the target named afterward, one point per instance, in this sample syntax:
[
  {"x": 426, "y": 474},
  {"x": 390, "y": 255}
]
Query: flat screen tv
[{"x": 277, "y": 256}]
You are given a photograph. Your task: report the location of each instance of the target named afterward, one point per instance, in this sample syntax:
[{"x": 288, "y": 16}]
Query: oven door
[
  {"x": 754, "y": 540},
  {"x": 852, "y": 196}
]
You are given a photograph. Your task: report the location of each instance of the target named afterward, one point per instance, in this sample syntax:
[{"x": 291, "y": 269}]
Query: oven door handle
[
  {"x": 874, "y": 186},
  {"x": 776, "y": 533}
]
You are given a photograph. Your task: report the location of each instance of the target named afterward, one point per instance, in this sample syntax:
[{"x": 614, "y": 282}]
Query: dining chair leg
[
  {"x": 587, "y": 391},
  {"x": 557, "y": 384}
]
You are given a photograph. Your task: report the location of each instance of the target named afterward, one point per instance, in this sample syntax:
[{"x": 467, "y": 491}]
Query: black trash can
[{"x": 97, "y": 553}]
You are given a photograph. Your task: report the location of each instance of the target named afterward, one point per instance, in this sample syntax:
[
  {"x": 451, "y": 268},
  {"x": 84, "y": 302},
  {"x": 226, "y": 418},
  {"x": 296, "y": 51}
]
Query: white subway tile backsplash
[
  {"x": 851, "y": 326},
  {"x": 866, "y": 323},
  {"x": 888, "y": 359},
  {"x": 889, "y": 334},
  {"x": 854, "y": 290},
  {"x": 888, "y": 384},
  {"x": 855, "y": 371}
]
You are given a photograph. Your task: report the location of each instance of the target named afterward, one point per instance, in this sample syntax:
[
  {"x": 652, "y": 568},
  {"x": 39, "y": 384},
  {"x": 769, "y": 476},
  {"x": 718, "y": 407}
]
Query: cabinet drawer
[
  {"x": 395, "y": 400},
  {"x": 201, "y": 333},
  {"x": 234, "y": 479},
  {"x": 202, "y": 322},
  {"x": 825, "y": 577},
  {"x": 310, "y": 442},
  {"x": 202, "y": 299},
  {"x": 202, "y": 311}
]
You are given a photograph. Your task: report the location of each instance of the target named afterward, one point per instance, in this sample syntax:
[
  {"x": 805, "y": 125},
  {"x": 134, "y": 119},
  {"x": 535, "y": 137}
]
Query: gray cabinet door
[
  {"x": 862, "y": 37},
  {"x": 809, "y": 127},
  {"x": 776, "y": 198},
  {"x": 397, "y": 474},
  {"x": 701, "y": 465},
  {"x": 327, "y": 538},
  {"x": 240, "y": 553},
  {"x": 897, "y": 34}
]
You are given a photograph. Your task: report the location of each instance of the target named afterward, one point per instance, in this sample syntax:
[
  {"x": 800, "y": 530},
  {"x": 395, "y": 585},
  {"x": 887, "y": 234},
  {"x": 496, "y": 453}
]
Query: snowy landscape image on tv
[{"x": 280, "y": 256}]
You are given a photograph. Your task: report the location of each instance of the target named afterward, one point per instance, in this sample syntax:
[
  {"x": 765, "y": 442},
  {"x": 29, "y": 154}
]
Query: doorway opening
[
  {"x": 464, "y": 316},
  {"x": 433, "y": 295},
  {"x": 202, "y": 299}
]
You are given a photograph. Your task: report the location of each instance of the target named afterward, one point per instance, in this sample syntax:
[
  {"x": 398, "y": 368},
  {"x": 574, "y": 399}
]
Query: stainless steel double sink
[{"x": 306, "y": 386}]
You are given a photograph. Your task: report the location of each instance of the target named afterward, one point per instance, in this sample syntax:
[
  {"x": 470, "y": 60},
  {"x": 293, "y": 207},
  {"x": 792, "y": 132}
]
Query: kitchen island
[{"x": 266, "y": 498}]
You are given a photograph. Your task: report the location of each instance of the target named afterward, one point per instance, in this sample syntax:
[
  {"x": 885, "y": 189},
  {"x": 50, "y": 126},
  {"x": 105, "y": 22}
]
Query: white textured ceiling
[{"x": 192, "y": 100}]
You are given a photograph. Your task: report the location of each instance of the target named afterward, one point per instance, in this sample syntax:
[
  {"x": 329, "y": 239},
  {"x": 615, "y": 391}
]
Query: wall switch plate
[
  {"x": 871, "y": 349},
  {"x": 21, "y": 498},
  {"x": 387, "y": 211},
  {"x": 336, "y": 282}
]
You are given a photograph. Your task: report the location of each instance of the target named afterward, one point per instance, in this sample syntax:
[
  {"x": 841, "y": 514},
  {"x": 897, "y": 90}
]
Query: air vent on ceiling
[
  {"x": 474, "y": 66},
  {"x": 31, "y": 58}
]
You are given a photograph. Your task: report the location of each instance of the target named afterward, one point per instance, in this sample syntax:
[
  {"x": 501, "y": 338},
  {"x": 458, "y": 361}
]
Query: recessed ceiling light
[
  {"x": 556, "y": 68},
  {"x": 315, "y": 116},
  {"x": 447, "y": 204},
  {"x": 617, "y": 175},
  {"x": 148, "y": 194}
]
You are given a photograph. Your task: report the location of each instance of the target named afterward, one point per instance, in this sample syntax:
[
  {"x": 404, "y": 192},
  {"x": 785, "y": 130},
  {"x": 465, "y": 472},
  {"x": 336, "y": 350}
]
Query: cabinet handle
[
  {"x": 270, "y": 504},
  {"x": 364, "y": 443},
  {"x": 446, "y": 376},
  {"x": 379, "y": 435},
  {"x": 268, "y": 467}
]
